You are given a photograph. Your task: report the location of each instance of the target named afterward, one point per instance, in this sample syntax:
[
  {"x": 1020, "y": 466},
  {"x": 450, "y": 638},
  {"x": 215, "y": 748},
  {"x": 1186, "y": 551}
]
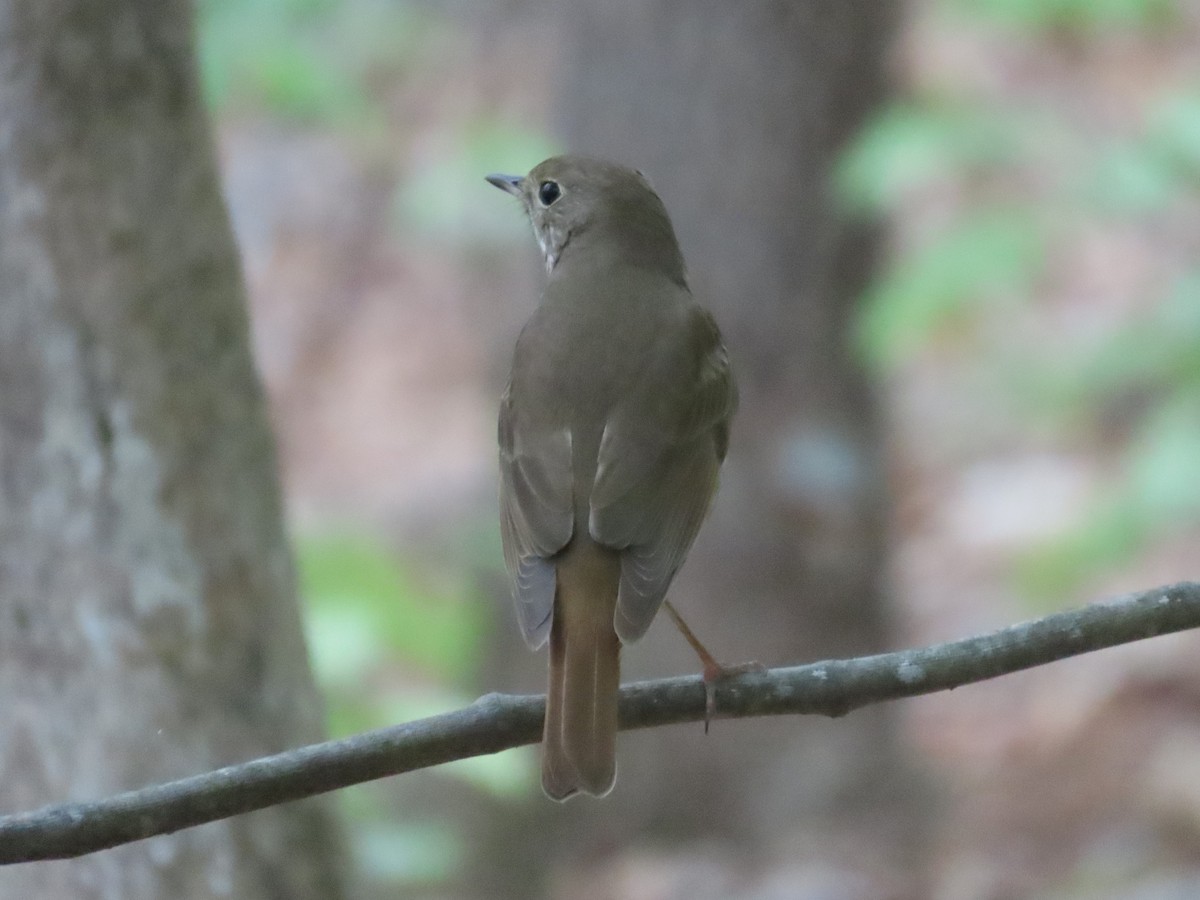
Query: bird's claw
[{"x": 715, "y": 672}]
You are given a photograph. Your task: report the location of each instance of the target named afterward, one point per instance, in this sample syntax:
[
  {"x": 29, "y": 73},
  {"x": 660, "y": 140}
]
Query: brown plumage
[{"x": 612, "y": 430}]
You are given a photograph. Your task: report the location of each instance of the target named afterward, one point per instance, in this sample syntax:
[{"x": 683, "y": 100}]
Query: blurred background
[{"x": 953, "y": 246}]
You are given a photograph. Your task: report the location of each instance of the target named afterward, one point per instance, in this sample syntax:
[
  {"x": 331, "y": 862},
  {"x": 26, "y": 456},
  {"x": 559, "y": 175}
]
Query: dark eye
[{"x": 548, "y": 192}]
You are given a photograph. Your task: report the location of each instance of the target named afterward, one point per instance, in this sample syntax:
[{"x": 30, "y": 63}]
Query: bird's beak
[{"x": 510, "y": 183}]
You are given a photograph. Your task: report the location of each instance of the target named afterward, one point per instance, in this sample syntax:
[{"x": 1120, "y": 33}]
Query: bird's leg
[{"x": 713, "y": 671}]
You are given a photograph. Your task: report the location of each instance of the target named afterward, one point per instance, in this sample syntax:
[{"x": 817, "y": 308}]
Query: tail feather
[
  {"x": 580, "y": 742},
  {"x": 590, "y": 691},
  {"x": 559, "y": 778}
]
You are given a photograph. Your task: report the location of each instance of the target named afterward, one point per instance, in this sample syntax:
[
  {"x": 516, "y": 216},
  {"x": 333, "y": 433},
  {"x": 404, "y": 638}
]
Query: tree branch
[{"x": 497, "y": 722}]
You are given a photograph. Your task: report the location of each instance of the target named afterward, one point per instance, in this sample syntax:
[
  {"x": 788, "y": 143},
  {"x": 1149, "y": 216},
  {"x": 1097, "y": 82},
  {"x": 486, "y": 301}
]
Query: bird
[{"x": 612, "y": 430}]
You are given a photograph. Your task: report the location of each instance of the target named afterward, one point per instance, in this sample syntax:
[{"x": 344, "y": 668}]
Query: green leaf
[
  {"x": 993, "y": 255},
  {"x": 1154, "y": 171},
  {"x": 1073, "y": 14},
  {"x": 305, "y": 60},
  {"x": 1130, "y": 179},
  {"x": 1175, "y": 134},
  {"x": 1109, "y": 537},
  {"x": 366, "y": 606},
  {"x": 398, "y": 853},
  {"x": 1157, "y": 490},
  {"x": 289, "y": 84},
  {"x": 344, "y": 643},
  {"x": 1164, "y": 460},
  {"x": 909, "y": 146},
  {"x": 509, "y": 774},
  {"x": 448, "y": 196},
  {"x": 1151, "y": 357}
]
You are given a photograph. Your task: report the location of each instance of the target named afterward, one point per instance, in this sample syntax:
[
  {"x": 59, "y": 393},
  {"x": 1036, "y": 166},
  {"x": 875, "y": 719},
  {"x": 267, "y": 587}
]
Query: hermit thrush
[{"x": 612, "y": 429}]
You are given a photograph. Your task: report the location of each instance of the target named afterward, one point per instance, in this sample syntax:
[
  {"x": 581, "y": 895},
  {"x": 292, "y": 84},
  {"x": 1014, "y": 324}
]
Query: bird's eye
[{"x": 548, "y": 192}]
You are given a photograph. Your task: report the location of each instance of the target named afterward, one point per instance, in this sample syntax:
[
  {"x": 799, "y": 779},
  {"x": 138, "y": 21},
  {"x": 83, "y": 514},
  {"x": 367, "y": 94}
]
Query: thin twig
[{"x": 497, "y": 722}]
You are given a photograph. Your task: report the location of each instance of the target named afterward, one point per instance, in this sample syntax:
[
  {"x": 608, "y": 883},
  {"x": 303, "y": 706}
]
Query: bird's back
[{"x": 588, "y": 347}]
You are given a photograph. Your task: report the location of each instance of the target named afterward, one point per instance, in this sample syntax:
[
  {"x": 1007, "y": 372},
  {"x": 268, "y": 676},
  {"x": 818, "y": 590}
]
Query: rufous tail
[{"x": 579, "y": 752}]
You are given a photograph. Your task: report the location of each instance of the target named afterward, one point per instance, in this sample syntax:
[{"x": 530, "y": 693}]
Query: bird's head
[{"x": 574, "y": 200}]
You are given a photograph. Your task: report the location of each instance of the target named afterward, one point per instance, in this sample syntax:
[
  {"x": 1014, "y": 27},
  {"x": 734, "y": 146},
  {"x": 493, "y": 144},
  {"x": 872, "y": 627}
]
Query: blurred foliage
[
  {"x": 1155, "y": 172},
  {"x": 1070, "y": 14},
  {"x": 390, "y": 646},
  {"x": 1024, "y": 182},
  {"x": 392, "y": 638},
  {"x": 989, "y": 256},
  {"x": 912, "y": 144},
  {"x": 443, "y": 197},
  {"x": 371, "y": 608},
  {"x": 334, "y": 65},
  {"x": 307, "y": 60}
]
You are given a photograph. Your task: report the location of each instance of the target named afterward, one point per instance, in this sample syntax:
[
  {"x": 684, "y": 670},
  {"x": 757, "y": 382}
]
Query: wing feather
[
  {"x": 536, "y": 518},
  {"x": 657, "y": 472}
]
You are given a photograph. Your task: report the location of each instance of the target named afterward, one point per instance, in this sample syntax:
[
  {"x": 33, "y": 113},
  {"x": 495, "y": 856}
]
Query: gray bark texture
[
  {"x": 148, "y": 621},
  {"x": 737, "y": 113}
]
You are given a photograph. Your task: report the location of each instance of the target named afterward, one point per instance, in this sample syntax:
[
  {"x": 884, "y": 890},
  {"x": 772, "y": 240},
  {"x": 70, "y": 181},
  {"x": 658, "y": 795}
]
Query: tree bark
[{"x": 148, "y": 620}]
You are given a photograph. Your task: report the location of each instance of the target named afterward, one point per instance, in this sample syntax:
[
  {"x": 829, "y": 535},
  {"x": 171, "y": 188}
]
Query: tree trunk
[
  {"x": 148, "y": 619},
  {"x": 737, "y": 112}
]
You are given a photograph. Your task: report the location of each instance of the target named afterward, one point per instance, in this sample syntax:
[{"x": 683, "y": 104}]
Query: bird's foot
[{"x": 715, "y": 672}]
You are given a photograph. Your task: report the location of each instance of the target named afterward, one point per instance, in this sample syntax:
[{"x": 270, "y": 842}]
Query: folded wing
[
  {"x": 657, "y": 469},
  {"x": 536, "y": 518}
]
